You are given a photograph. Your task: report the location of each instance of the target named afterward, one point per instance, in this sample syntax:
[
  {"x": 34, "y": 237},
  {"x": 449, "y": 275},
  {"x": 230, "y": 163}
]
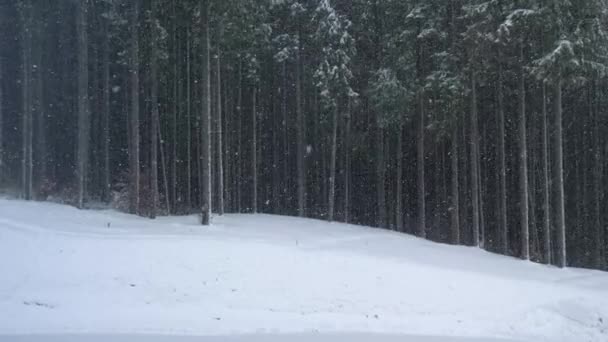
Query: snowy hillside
[{"x": 65, "y": 271}]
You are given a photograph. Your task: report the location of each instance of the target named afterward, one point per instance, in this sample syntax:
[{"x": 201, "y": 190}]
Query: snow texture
[{"x": 71, "y": 275}]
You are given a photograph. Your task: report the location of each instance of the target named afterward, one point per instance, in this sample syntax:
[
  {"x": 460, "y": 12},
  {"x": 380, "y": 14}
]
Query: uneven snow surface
[{"x": 71, "y": 275}]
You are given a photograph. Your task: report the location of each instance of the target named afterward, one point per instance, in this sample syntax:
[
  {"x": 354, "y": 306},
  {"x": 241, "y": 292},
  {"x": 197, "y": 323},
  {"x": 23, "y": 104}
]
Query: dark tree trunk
[
  {"x": 163, "y": 165},
  {"x": 40, "y": 153},
  {"x": 1, "y": 121},
  {"x": 254, "y": 151},
  {"x": 597, "y": 184},
  {"x": 347, "y": 161},
  {"x": 420, "y": 167},
  {"x": 188, "y": 127},
  {"x": 455, "y": 206},
  {"x": 26, "y": 157},
  {"x": 502, "y": 168},
  {"x": 475, "y": 163},
  {"x": 523, "y": 163},
  {"x": 300, "y": 134},
  {"x": 205, "y": 117},
  {"x": 218, "y": 129},
  {"x": 239, "y": 129},
  {"x": 154, "y": 119},
  {"x": 380, "y": 178},
  {"x": 545, "y": 171},
  {"x": 174, "y": 113},
  {"x": 332, "y": 165},
  {"x": 285, "y": 121},
  {"x": 558, "y": 178},
  {"x": 83, "y": 102},
  {"x": 134, "y": 118},
  {"x": 399, "y": 181},
  {"x": 105, "y": 114}
]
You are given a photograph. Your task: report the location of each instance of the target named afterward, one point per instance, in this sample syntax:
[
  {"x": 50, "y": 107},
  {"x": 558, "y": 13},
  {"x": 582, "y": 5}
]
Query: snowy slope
[{"x": 65, "y": 271}]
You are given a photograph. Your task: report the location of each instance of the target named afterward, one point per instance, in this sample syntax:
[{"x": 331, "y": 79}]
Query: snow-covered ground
[{"x": 71, "y": 275}]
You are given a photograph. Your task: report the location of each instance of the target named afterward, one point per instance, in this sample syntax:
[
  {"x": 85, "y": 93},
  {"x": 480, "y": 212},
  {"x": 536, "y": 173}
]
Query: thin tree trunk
[
  {"x": 205, "y": 116},
  {"x": 545, "y": 171},
  {"x": 226, "y": 142},
  {"x": 83, "y": 102},
  {"x": 380, "y": 178},
  {"x": 420, "y": 167},
  {"x": 332, "y": 166},
  {"x": 39, "y": 108},
  {"x": 220, "y": 165},
  {"x": 276, "y": 148},
  {"x": 239, "y": 129},
  {"x": 300, "y": 134},
  {"x": 188, "y": 127},
  {"x": 174, "y": 114},
  {"x": 163, "y": 165},
  {"x": 154, "y": 119},
  {"x": 399, "y": 181},
  {"x": 597, "y": 185},
  {"x": 455, "y": 186},
  {"x": 1, "y": 121},
  {"x": 26, "y": 163},
  {"x": 455, "y": 207},
  {"x": 523, "y": 163},
  {"x": 254, "y": 151},
  {"x": 474, "y": 161},
  {"x": 502, "y": 172},
  {"x": 347, "y": 162},
  {"x": 558, "y": 177},
  {"x": 286, "y": 195},
  {"x": 134, "y": 118},
  {"x": 105, "y": 114}
]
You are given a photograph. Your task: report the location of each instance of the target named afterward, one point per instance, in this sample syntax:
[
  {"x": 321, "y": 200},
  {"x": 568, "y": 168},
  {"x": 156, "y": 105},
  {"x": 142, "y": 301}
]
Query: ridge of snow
[{"x": 66, "y": 271}]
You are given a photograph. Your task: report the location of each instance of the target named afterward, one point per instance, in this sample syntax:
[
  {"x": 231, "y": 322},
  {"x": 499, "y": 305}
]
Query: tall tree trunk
[
  {"x": 205, "y": 116},
  {"x": 502, "y": 168},
  {"x": 300, "y": 134},
  {"x": 558, "y": 178},
  {"x": 347, "y": 162},
  {"x": 286, "y": 195},
  {"x": 545, "y": 181},
  {"x": 399, "y": 181},
  {"x": 174, "y": 112},
  {"x": 380, "y": 178},
  {"x": 188, "y": 127},
  {"x": 226, "y": 141},
  {"x": 254, "y": 151},
  {"x": 455, "y": 206},
  {"x": 105, "y": 114},
  {"x": 218, "y": 129},
  {"x": 332, "y": 165},
  {"x": 134, "y": 118},
  {"x": 523, "y": 162},
  {"x": 163, "y": 165},
  {"x": 420, "y": 167},
  {"x": 83, "y": 102},
  {"x": 40, "y": 154},
  {"x": 26, "y": 162},
  {"x": 475, "y": 162},
  {"x": 154, "y": 119},
  {"x": 276, "y": 147},
  {"x": 239, "y": 129},
  {"x": 1, "y": 121},
  {"x": 597, "y": 184}
]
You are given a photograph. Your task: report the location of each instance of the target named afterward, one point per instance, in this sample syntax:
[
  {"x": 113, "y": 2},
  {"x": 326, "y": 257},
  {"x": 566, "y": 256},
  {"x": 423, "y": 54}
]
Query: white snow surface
[{"x": 66, "y": 274}]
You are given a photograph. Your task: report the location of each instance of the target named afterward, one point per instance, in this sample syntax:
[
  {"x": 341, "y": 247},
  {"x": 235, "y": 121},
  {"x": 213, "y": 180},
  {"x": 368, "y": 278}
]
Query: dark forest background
[{"x": 463, "y": 121}]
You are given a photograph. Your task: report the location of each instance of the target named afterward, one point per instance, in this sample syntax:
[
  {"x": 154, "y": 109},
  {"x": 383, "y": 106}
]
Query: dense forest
[{"x": 470, "y": 122}]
